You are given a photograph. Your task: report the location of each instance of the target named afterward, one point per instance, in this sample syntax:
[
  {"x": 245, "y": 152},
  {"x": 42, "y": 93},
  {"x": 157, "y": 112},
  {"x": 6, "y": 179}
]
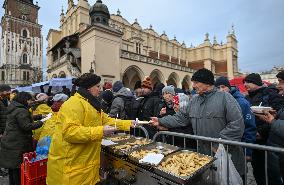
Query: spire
[
  {"x": 233, "y": 29},
  {"x": 136, "y": 20},
  {"x": 206, "y": 37},
  {"x": 62, "y": 10},
  {"x": 62, "y": 14},
  {"x": 164, "y": 33},
  {"x": 175, "y": 38},
  {"x": 151, "y": 27},
  {"x": 215, "y": 40},
  {"x": 118, "y": 12}
]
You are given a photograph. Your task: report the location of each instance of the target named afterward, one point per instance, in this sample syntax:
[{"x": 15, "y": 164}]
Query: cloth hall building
[{"x": 91, "y": 40}]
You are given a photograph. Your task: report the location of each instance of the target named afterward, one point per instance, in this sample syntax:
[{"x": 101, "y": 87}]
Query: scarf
[{"x": 90, "y": 98}]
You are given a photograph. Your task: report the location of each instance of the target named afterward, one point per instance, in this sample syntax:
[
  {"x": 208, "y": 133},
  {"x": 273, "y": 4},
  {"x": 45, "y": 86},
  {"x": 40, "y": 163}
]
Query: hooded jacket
[
  {"x": 117, "y": 106},
  {"x": 249, "y": 119},
  {"x": 17, "y": 138}
]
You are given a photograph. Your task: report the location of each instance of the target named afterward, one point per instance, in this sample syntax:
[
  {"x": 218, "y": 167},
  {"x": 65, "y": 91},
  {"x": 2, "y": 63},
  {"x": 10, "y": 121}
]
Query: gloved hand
[
  {"x": 37, "y": 117},
  {"x": 108, "y": 130},
  {"x": 48, "y": 116}
]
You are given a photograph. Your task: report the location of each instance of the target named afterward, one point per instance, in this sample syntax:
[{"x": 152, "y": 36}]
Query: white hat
[{"x": 60, "y": 97}]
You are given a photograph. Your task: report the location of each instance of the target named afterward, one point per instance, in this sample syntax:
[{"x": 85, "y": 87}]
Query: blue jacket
[{"x": 249, "y": 118}]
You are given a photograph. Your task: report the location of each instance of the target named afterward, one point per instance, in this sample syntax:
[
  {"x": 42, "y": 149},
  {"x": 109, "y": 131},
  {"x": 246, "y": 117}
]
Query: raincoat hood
[{"x": 124, "y": 92}]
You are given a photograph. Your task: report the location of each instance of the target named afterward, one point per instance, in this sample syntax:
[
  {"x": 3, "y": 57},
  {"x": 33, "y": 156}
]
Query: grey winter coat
[
  {"x": 218, "y": 115},
  {"x": 117, "y": 106},
  {"x": 176, "y": 120},
  {"x": 17, "y": 138}
]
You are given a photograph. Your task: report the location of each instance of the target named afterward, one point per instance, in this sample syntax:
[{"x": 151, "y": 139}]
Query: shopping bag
[{"x": 221, "y": 174}]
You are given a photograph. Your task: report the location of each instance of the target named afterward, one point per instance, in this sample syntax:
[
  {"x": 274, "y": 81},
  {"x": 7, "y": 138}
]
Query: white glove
[
  {"x": 108, "y": 130},
  {"x": 47, "y": 117}
]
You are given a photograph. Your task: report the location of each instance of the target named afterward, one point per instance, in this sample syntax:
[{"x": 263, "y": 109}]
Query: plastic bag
[
  {"x": 221, "y": 173},
  {"x": 42, "y": 149}
]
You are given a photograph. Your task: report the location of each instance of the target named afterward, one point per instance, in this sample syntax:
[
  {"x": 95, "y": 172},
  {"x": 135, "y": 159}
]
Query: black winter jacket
[
  {"x": 3, "y": 109},
  {"x": 149, "y": 106},
  {"x": 17, "y": 138},
  {"x": 169, "y": 110},
  {"x": 269, "y": 97}
]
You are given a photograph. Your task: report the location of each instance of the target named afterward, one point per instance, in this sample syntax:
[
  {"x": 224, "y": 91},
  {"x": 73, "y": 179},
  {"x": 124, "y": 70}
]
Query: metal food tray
[
  {"x": 128, "y": 136},
  {"x": 184, "y": 179},
  {"x": 151, "y": 146},
  {"x": 126, "y": 152}
]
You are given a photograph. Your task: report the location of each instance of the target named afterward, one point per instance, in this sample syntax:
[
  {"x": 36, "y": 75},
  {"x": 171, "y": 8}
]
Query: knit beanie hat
[
  {"x": 87, "y": 80},
  {"x": 204, "y": 76},
  {"x": 117, "y": 86},
  {"x": 222, "y": 81},
  {"x": 169, "y": 89},
  {"x": 254, "y": 78},
  {"x": 147, "y": 83},
  {"x": 280, "y": 75},
  {"x": 4, "y": 87}
]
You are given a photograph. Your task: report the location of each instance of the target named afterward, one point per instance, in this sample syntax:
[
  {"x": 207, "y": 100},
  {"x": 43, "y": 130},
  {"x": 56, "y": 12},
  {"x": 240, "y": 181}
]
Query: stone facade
[
  {"x": 270, "y": 76},
  {"x": 21, "y": 48},
  {"x": 123, "y": 51}
]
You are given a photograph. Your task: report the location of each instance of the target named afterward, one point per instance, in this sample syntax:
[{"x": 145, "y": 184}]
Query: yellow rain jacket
[
  {"x": 74, "y": 154},
  {"x": 42, "y": 109},
  {"x": 49, "y": 126}
]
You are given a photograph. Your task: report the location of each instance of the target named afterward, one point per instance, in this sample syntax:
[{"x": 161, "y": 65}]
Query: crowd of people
[{"x": 82, "y": 116}]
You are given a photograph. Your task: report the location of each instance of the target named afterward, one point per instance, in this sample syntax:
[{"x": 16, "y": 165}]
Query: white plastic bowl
[{"x": 259, "y": 109}]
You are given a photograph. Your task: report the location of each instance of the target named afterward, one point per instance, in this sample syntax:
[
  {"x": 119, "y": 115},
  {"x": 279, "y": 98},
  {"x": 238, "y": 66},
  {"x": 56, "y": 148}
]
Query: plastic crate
[
  {"x": 33, "y": 171},
  {"x": 36, "y": 181}
]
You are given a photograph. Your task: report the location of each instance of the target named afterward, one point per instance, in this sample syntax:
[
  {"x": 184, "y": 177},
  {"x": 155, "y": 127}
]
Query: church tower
[{"x": 21, "y": 43}]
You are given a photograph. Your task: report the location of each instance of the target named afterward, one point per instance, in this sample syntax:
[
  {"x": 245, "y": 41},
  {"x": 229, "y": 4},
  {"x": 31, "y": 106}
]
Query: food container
[
  {"x": 119, "y": 137},
  {"x": 191, "y": 176},
  {"x": 260, "y": 109},
  {"x": 157, "y": 147},
  {"x": 124, "y": 147}
]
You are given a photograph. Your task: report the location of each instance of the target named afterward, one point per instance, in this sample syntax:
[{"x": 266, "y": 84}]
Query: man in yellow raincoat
[{"x": 74, "y": 155}]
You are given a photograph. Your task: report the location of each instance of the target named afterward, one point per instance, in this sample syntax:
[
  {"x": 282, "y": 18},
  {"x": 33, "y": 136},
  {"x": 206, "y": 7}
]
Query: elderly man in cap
[
  {"x": 269, "y": 97},
  {"x": 216, "y": 114}
]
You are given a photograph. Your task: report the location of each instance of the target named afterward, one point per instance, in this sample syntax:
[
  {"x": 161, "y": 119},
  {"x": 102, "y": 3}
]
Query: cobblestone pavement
[{"x": 250, "y": 181}]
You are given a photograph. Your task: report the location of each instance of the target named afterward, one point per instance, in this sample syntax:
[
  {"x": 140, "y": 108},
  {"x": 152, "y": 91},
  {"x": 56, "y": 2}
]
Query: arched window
[
  {"x": 24, "y": 17},
  {"x": 62, "y": 74},
  {"x": 25, "y": 58},
  {"x": 54, "y": 76},
  {"x": 25, "y": 33}
]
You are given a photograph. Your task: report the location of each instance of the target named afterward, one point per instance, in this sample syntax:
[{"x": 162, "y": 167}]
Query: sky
[{"x": 259, "y": 24}]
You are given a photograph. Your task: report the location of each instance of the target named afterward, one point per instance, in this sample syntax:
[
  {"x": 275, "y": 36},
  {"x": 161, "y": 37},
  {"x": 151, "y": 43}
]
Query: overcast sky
[{"x": 259, "y": 24}]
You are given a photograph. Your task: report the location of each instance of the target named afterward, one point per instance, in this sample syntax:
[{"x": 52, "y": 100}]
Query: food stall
[{"x": 124, "y": 159}]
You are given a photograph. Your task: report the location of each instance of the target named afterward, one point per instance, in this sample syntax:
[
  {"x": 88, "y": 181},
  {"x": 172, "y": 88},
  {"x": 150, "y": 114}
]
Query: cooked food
[
  {"x": 130, "y": 145},
  {"x": 119, "y": 138},
  {"x": 184, "y": 164},
  {"x": 142, "y": 153}
]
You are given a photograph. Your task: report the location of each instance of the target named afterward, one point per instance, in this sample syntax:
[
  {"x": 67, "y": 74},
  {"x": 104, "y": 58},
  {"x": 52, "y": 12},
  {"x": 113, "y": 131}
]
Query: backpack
[{"x": 131, "y": 107}]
